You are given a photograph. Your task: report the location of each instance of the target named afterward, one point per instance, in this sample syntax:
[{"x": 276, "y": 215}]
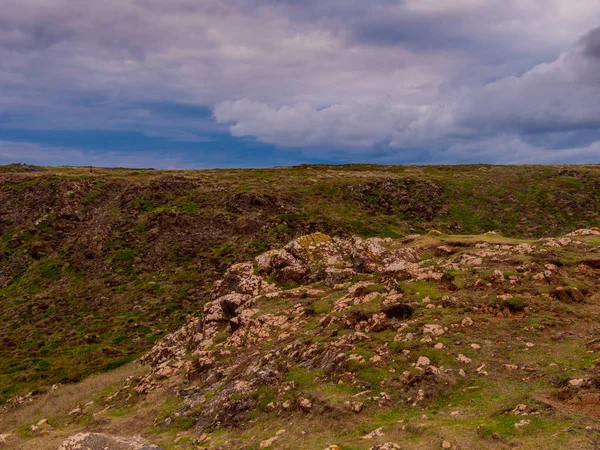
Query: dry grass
[{"x": 66, "y": 398}]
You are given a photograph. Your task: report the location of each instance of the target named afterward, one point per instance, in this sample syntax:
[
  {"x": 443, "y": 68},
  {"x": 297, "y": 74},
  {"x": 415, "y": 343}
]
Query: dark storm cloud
[{"x": 591, "y": 44}]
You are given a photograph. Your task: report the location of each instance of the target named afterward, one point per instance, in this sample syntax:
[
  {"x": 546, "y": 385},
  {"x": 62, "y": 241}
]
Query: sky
[{"x": 241, "y": 83}]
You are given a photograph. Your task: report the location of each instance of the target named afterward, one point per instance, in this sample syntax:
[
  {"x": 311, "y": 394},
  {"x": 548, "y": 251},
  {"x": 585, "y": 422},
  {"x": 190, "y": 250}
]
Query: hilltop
[{"x": 97, "y": 267}]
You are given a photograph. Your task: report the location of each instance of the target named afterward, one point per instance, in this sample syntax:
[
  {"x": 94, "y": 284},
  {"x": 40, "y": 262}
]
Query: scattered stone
[
  {"x": 463, "y": 359},
  {"x": 375, "y": 433},
  {"x": 423, "y": 361},
  {"x": 475, "y": 346},
  {"x": 386, "y": 446},
  {"x": 356, "y": 407},
  {"x": 434, "y": 329},
  {"x": 446, "y": 444},
  {"x": 481, "y": 370},
  {"x": 42, "y": 427},
  {"x": 467, "y": 322},
  {"x": 267, "y": 443},
  {"x": 438, "y": 346},
  {"x": 576, "y": 382},
  {"x": 96, "y": 441},
  {"x": 305, "y": 404},
  {"x": 522, "y": 423},
  {"x": 497, "y": 276}
]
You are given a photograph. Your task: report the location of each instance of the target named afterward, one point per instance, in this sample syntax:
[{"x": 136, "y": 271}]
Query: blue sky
[{"x": 260, "y": 83}]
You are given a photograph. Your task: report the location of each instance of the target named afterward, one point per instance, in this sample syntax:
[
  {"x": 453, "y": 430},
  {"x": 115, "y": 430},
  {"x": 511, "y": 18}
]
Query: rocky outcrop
[{"x": 349, "y": 294}]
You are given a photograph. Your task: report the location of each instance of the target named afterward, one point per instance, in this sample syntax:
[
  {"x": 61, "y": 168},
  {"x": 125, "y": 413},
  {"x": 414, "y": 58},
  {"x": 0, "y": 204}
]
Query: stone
[
  {"x": 438, "y": 346},
  {"x": 522, "y": 423},
  {"x": 576, "y": 382},
  {"x": 475, "y": 346},
  {"x": 356, "y": 407},
  {"x": 386, "y": 446},
  {"x": 463, "y": 359},
  {"x": 96, "y": 441},
  {"x": 375, "y": 433},
  {"x": 467, "y": 322},
  {"x": 267, "y": 443},
  {"x": 433, "y": 329},
  {"x": 481, "y": 370},
  {"x": 446, "y": 444},
  {"x": 305, "y": 404},
  {"x": 42, "y": 427},
  {"x": 496, "y": 276},
  {"x": 423, "y": 361}
]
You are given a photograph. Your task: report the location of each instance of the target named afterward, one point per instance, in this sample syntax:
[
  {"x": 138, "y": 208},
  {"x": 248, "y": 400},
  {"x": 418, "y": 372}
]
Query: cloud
[
  {"x": 553, "y": 105},
  {"x": 387, "y": 78}
]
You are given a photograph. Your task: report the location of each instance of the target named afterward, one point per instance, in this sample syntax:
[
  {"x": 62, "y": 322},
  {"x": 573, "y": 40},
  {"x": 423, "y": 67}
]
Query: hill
[{"x": 97, "y": 267}]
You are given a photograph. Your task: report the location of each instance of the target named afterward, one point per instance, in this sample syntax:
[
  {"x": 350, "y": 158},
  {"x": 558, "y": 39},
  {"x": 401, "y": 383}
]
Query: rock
[
  {"x": 446, "y": 444},
  {"x": 521, "y": 407},
  {"x": 423, "y": 361},
  {"x": 576, "y": 382},
  {"x": 586, "y": 232},
  {"x": 522, "y": 423},
  {"x": 463, "y": 359},
  {"x": 96, "y": 441},
  {"x": 42, "y": 427},
  {"x": 75, "y": 412},
  {"x": 467, "y": 322},
  {"x": 568, "y": 295},
  {"x": 356, "y": 407},
  {"x": 305, "y": 404},
  {"x": 374, "y": 433},
  {"x": 434, "y": 329},
  {"x": 5, "y": 438},
  {"x": 576, "y": 295},
  {"x": 481, "y": 370},
  {"x": 438, "y": 346},
  {"x": 496, "y": 276},
  {"x": 268, "y": 442},
  {"x": 475, "y": 346},
  {"x": 443, "y": 250},
  {"x": 386, "y": 446}
]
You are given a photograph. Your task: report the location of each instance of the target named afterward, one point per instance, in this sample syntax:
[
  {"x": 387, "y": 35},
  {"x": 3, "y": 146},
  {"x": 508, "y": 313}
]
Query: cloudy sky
[{"x": 238, "y": 83}]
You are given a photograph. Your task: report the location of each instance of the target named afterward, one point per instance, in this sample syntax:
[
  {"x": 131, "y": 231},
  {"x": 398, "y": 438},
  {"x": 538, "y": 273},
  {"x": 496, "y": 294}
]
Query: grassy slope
[
  {"x": 95, "y": 267},
  {"x": 561, "y": 349}
]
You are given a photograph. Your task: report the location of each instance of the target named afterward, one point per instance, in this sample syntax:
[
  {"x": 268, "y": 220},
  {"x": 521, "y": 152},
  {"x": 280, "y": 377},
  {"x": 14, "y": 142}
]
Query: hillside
[
  {"x": 96, "y": 267},
  {"x": 422, "y": 342}
]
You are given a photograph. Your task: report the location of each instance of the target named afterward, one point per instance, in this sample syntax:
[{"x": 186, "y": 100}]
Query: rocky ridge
[
  {"x": 340, "y": 308},
  {"x": 332, "y": 333}
]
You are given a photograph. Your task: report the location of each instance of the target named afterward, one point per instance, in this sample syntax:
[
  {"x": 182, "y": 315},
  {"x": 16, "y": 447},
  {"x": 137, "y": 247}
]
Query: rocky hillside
[
  {"x": 96, "y": 266},
  {"x": 426, "y": 341}
]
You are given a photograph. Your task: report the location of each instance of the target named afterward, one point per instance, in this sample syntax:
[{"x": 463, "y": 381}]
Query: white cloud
[{"x": 405, "y": 75}]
